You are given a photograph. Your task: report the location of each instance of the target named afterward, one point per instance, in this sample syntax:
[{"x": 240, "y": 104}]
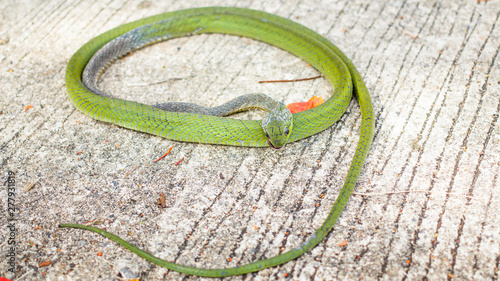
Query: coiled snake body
[{"x": 165, "y": 120}]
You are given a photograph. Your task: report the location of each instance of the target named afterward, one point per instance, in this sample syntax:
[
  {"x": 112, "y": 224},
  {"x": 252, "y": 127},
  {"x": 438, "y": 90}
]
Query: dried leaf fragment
[
  {"x": 342, "y": 244},
  {"x": 302, "y": 106},
  {"x": 44, "y": 263}
]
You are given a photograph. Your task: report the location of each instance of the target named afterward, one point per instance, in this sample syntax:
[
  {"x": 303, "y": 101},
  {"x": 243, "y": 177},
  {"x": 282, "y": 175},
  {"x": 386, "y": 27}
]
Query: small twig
[
  {"x": 28, "y": 271},
  {"x": 292, "y": 80},
  {"x": 412, "y": 36},
  {"x": 130, "y": 172},
  {"x": 30, "y": 186},
  {"x": 408, "y": 191},
  {"x": 170, "y": 149},
  {"x": 157, "y": 82},
  {"x": 178, "y": 162}
]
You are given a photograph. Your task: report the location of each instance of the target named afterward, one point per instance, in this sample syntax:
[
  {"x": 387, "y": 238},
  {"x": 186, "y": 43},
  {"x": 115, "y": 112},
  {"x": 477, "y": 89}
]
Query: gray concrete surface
[{"x": 431, "y": 66}]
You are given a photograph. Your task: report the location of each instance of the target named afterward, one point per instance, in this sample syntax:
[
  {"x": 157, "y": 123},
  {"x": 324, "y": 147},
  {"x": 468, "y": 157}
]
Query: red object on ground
[{"x": 301, "y": 106}]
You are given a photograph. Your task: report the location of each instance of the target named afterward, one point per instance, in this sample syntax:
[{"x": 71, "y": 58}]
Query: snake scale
[{"x": 195, "y": 127}]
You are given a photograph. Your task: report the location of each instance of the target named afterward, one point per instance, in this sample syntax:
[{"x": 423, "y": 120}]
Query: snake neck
[
  {"x": 239, "y": 104},
  {"x": 277, "y": 124},
  {"x": 246, "y": 102}
]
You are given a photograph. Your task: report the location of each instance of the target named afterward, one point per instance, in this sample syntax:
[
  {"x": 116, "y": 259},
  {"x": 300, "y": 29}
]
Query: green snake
[{"x": 195, "y": 127}]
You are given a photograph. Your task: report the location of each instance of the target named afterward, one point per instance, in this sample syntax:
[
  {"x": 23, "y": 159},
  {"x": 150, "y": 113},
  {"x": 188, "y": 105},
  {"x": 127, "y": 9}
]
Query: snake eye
[{"x": 287, "y": 131}]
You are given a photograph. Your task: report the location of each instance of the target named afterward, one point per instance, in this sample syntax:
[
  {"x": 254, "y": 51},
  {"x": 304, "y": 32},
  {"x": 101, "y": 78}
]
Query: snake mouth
[{"x": 272, "y": 146}]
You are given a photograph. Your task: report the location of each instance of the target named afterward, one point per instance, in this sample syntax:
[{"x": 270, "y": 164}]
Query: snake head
[{"x": 277, "y": 125}]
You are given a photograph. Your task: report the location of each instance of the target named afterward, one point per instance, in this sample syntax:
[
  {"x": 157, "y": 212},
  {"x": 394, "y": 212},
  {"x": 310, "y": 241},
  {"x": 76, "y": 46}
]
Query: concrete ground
[{"x": 426, "y": 206}]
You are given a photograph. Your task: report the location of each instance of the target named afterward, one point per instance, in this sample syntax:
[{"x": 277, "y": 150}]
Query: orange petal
[
  {"x": 315, "y": 101},
  {"x": 302, "y": 106},
  {"x": 299, "y": 106}
]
